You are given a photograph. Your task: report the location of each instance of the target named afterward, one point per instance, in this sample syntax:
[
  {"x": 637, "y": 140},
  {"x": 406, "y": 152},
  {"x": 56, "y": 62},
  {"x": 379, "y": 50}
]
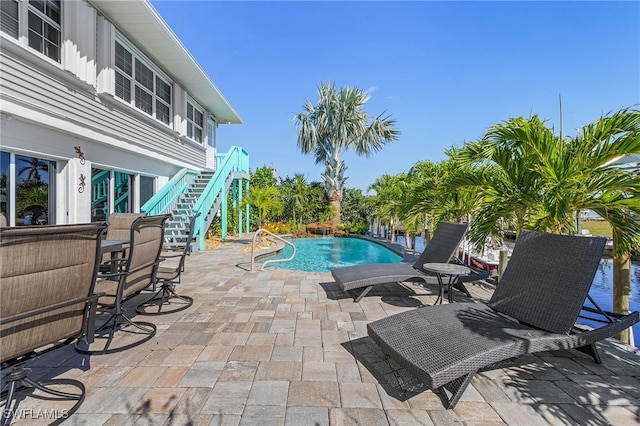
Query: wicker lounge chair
[
  {"x": 47, "y": 300},
  {"x": 440, "y": 249},
  {"x": 133, "y": 274},
  {"x": 168, "y": 277},
  {"x": 534, "y": 308}
]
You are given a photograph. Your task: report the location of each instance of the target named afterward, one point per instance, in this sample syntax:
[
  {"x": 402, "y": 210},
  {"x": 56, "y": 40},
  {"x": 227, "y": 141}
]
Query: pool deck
[{"x": 281, "y": 347}]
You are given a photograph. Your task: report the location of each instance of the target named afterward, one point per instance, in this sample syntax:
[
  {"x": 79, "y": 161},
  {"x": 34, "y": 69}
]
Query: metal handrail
[{"x": 253, "y": 248}]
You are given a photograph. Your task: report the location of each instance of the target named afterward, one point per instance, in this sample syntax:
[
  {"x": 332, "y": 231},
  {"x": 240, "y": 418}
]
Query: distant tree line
[{"x": 290, "y": 203}]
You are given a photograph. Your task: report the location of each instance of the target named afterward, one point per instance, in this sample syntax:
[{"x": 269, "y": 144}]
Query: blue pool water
[{"x": 325, "y": 254}]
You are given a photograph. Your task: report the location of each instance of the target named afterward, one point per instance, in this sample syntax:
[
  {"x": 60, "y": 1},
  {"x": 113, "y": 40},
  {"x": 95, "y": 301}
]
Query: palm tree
[
  {"x": 33, "y": 168},
  {"x": 501, "y": 168},
  {"x": 265, "y": 200},
  {"x": 525, "y": 172},
  {"x": 300, "y": 191},
  {"x": 579, "y": 175},
  {"x": 339, "y": 122},
  {"x": 354, "y": 211},
  {"x": 387, "y": 203},
  {"x": 428, "y": 200}
]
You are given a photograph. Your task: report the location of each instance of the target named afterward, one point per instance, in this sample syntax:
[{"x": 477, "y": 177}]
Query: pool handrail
[{"x": 253, "y": 248}]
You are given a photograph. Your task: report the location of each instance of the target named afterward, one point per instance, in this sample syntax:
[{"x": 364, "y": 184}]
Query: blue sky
[{"x": 445, "y": 71}]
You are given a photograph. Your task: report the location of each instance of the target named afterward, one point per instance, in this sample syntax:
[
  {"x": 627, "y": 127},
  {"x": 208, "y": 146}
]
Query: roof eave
[{"x": 142, "y": 24}]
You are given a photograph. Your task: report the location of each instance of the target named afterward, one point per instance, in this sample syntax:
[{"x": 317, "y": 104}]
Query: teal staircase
[
  {"x": 190, "y": 192},
  {"x": 182, "y": 211}
]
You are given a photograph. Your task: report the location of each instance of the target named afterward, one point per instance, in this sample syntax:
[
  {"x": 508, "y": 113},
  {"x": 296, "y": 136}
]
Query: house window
[
  {"x": 110, "y": 189},
  {"x": 31, "y": 182},
  {"x": 124, "y": 71},
  {"x": 195, "y": 122},
  {"x": 163, "y": 100},
  {"x": 211, "y": 133},
  {"x": 9, "y": 17},
  {"x": 43, "y": 28},
  {"x": 139, "y": 84},
  {"x": 146, "y": 188}
]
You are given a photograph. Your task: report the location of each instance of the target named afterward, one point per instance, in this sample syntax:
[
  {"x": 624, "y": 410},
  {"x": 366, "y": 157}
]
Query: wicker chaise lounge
[
  {"x": 440, "y": 249},
  {"x": 534, "y": 308}
]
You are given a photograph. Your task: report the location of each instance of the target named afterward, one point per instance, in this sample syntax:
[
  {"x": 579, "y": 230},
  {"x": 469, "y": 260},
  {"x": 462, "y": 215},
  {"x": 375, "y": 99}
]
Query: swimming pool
[{"x": 325, "y": 254}]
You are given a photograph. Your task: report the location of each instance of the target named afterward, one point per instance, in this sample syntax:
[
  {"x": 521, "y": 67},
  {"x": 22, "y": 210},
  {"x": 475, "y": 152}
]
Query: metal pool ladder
[{"x": 265, "y": 263}]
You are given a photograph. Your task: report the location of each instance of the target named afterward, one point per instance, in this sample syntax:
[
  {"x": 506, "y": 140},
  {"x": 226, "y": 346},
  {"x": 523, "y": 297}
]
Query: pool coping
[{"x": 408, "y": 255}]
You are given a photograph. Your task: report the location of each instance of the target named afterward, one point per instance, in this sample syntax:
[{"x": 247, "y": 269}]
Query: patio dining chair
[
  {"x": 47, "y": 300},
  {"x": 120, "y": 225},
  {"x": 168, "y": 277},
  {"x": 534, "y": 308},
  {"x": 134, "y": 273},
  {"x": 119, "y": 229},
  {"x": 440, "y": 249}
]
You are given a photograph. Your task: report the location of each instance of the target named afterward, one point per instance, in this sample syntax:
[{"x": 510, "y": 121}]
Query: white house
[{"x": 101, "y": 107}]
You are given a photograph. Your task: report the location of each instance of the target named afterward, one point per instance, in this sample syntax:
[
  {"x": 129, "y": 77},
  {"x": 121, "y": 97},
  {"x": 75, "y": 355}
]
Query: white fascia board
[{"x": 64, "y": 124}]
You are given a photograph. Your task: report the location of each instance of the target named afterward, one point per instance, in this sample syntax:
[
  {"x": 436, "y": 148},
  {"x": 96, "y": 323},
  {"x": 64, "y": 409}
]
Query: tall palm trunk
[
  {"x": 334, "y": 202},
  {"x": 621, "y": 287}
]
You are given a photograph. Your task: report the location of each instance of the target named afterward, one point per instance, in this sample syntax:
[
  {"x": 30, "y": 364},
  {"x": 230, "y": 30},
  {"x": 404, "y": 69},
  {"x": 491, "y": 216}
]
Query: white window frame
[
  {"x": 192, "y": 126},
  {"x": 138, "y": 58},
  {"x": 211, "y": 131},
  {"x": 24, "y": 11}
]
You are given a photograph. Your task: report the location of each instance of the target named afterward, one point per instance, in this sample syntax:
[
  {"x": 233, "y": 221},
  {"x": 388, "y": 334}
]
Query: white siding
[{"x": 45, "y": 89}]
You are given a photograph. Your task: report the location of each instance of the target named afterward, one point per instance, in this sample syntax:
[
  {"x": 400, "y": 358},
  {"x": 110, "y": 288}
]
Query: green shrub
[
  {"x": 357, "y": 228},
  {"x": 277, "y": 228}
]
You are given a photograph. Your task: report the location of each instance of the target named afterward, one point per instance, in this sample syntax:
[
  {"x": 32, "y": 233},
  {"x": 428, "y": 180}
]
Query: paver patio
[{"x": 281, "y": 347}]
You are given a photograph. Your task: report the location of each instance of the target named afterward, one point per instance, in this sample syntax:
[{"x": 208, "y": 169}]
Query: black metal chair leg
[
  {"x": 19, "y": 376},
  {"x": 162, "y": 299}
]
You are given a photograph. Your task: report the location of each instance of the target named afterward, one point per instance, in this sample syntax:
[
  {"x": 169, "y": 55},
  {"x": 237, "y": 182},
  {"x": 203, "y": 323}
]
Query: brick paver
[{"x": 280, "y": 347}]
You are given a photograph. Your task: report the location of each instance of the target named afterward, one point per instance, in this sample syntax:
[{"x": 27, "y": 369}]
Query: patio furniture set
[
  {"x": 54, "y": 280},
  {"x": 48, "y": 299}
]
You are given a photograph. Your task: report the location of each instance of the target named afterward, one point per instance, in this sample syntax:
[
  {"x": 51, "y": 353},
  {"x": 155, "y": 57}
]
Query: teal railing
[
  {"x": 169, "y": 193},
  {"x": 121, "y": 202},
  {"x": 235, "y": 160},
  {"x": 100, "y": 187}
]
